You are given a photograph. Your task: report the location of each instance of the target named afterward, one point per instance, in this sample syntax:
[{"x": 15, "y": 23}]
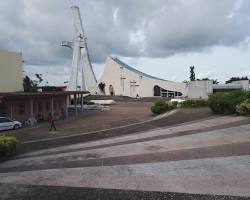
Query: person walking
[{"x": 52, "y": 122}]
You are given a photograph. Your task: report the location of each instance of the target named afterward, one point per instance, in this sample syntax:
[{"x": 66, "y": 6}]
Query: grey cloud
[
  {"x": 191, "y": 27},
  {"x": 168, "y": 27}
]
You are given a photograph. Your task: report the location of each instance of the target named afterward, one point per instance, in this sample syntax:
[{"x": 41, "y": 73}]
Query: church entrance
[
  {"x": 157, "y": 91},
  {"x": 111, "y": 90},
  {"x": 160, "y": 92}
]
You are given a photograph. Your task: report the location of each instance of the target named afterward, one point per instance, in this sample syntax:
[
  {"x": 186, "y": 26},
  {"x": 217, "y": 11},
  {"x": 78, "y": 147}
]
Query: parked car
[{"x": 6, "y": 124}]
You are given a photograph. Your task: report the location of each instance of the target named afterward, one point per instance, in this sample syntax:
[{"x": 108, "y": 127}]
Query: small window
[
  {"x": 21, "y": 108},
  {"x": 6, "y": 120}
]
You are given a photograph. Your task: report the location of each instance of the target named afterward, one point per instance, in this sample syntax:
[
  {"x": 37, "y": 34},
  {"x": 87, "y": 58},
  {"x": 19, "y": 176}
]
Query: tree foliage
[
  {"x": 244, "y": 108},
  {"x": 51, "y": 89},
  {"x": 192, "y": 73},
  {"x": 226, "y": 102},
  {"x": 102, "y": 86},
  {"x": 39, "y": 77},
  {"x": 29, "y": 85},
  {"x": 237, "y": 79},
  {"x": 215, "y": 81}
]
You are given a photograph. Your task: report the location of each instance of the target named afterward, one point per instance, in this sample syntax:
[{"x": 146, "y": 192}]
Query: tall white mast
[{"x": 81, "y": 60}]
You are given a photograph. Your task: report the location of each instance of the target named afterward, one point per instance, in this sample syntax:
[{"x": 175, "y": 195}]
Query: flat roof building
[{"x": 34, "y": 107}]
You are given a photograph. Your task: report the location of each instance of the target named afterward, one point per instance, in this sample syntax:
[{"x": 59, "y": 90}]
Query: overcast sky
[{"x": 159, "y": 37}]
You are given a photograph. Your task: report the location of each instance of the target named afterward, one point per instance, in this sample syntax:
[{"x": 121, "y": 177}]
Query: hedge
[
  {"x": 194, "y": 103},
  {"x": 7, "y": 145},
  {"x": 226, "y": 102}
]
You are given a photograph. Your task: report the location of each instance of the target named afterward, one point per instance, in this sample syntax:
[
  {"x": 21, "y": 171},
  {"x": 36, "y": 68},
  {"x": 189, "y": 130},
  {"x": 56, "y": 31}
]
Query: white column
[
  {"x": 75, "y": 102},
  {"x": 82, "y": 102}
]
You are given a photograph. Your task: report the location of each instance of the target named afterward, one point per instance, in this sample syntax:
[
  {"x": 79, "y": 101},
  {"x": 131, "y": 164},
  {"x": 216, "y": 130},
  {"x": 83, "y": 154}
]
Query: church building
[{"x": 122, "y": 79}]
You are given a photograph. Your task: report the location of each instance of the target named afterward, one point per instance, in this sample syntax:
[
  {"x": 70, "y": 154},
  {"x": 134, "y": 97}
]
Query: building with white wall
[
  {"x": 127, "y": 81},
  {"x": 122, "y": 79},
  {"x": 235, "y": 85},
  {"x": 11, "y": 72},
  {"x": 199, "y": 89}
]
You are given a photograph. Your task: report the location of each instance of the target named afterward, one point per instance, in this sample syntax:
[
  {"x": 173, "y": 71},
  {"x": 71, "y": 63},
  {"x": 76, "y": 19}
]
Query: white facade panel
[
  {"x": 200, "y": 89},
  {"x": 11, "y": 79}
]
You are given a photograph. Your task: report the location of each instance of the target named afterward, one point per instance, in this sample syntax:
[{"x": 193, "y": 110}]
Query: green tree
[
  {"x": 102, "y": 86},
  {"x": 215, "y": 81},
  {"x": 29, "y": 85},
  {"x": 237, "y": 79},
  {"x": 39, "y": 77},
  {"x": 192, "y": 74}
]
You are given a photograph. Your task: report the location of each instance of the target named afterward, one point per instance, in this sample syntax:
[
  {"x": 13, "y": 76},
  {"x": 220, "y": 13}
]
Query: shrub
[
  {"x": 159, "y": 107},
  {"x": 7, "y": 145},
  {"x": 243, "y": 108},
  {"x": 226, "y": 102},
  {"x": 173, "y": 105},
  {"x": 194, "y": 103}
]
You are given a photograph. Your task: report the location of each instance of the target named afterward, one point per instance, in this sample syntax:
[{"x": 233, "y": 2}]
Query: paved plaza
[{"x": 208, "y": 157}]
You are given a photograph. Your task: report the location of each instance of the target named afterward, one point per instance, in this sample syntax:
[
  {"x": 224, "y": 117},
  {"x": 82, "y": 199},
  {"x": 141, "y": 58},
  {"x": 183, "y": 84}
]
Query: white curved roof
[{"x": 135, "y": 70}]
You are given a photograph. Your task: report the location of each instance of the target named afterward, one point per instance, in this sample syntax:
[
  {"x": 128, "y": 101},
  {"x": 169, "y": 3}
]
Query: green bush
[
  {"x": 159, "y": 107},
  {"x": 194, "y": 103},
  {"x": 243, "y": 108},
  {"x": 173, "y": 105},
  {"x": 226, "y": 102},
  {"x": 7, "y": 145}
]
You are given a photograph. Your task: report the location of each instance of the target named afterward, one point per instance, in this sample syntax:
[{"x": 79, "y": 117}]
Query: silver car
[{"x": 6, "y": 124}]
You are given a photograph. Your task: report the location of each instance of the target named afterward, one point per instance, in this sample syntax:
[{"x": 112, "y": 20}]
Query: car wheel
[{"x": 16, "y": 126}]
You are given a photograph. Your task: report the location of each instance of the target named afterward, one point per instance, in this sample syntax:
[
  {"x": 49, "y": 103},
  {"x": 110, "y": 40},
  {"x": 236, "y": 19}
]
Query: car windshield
[{"x": 3, "y": 120}]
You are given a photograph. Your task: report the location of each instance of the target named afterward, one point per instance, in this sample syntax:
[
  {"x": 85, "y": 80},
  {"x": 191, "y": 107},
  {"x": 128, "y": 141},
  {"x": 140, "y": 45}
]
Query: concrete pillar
[
  {"x": 67, "y": 107},
  {"x": 82, "y": 102},
  {"x": 31, "y": 112},
  {"x": 52, "y": 106},
  {"x": 75, "y": 102}
]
